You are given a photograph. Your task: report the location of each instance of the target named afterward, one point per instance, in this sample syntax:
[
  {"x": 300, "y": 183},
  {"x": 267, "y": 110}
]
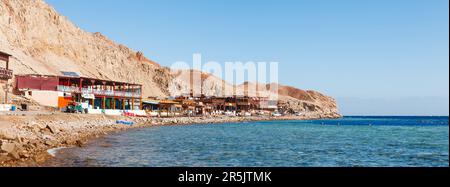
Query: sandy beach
[{"x": 26, "y": 138}]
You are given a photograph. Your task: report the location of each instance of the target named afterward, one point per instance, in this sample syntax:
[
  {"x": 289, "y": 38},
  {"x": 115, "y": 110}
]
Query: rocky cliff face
[
  {"x": 307, "y": 100},
  {"x": 294, "y": 99},
  {"x": 44, "y": 42}
]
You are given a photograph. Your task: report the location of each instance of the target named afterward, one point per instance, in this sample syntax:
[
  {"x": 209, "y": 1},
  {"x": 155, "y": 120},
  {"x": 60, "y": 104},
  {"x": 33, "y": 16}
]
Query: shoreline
[{"x": 25, "y": 140}]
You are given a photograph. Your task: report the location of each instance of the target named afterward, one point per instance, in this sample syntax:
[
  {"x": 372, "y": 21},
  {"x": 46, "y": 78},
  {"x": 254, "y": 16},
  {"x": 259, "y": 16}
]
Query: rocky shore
[{"x": 25, "y": 139}]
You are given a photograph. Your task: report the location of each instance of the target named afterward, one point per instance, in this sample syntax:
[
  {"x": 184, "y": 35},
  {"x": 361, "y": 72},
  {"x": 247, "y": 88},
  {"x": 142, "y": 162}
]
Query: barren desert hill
[
  {"x": 293, "y": 98},
  {"x": 44, "y": 42}
]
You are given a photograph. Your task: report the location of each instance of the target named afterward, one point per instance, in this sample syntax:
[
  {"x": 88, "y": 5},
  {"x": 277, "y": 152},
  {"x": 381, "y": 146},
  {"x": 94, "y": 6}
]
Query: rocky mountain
[
  {"x": 44, "y": 42},
  {"x": 293, "y": 98},
  {"x": 307, "y": 100}
]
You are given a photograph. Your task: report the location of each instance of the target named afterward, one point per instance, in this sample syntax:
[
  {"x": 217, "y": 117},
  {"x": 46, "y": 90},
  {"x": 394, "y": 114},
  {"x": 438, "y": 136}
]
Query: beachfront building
[
  {"x": 173, "y": 107},
  {"x": 93, "y": 94},
  {"x": 169, "y": 108},
  {"x": 267, "y": 104},
  {"x": 188, "y": 105},
  {"x": 245, "y": 103},
  {"x": 150, "y": 105},
  {"x": 220, "y": 105},
  {"x": 216, "y": 105},
  {"x": 5, "y": 74},
  {"x": 201, "y": 108}
]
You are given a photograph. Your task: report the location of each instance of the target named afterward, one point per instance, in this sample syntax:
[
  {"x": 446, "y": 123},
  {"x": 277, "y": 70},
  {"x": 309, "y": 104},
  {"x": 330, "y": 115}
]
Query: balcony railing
[
  {"x": 5, "y": 74},
  {"x": 111, "y": 93},
  {"x": 68, "y": 89}
]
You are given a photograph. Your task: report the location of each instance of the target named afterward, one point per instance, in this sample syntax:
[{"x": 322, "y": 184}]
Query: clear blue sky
[{"x": 377, "y": 57}]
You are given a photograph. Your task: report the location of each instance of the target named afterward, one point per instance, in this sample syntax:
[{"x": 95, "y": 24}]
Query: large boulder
[
  {"x": 7, "y": 134},
  {"x": 34, "y": 124},
  {"x": 8, "y": 147},
  {"x": 52, "y": 128}
]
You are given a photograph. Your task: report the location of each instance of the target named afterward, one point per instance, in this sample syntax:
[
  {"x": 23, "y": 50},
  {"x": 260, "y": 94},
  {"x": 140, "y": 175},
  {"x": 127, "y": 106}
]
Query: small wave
[
  {"x": 425, "y": 154},
  {"x": 54, "y": 151}
]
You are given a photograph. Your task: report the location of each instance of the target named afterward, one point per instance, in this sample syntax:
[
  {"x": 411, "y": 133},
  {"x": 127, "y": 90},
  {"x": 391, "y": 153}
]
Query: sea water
[{"x": 346, "y": 142}]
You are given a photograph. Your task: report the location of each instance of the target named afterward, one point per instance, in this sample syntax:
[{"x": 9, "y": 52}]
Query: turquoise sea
[{"x": 346, "y": 142}]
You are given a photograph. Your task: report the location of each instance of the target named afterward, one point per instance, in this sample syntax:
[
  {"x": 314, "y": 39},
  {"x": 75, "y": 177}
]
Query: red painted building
[{"x": 97, "y": 93}]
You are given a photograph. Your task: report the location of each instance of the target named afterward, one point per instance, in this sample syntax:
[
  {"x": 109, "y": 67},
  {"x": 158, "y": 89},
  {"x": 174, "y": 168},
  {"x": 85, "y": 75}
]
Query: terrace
[
  {"x": 135, "y": 93},
  {"x": 5, "y": 72},
  {"x": 99, "y": 87}
]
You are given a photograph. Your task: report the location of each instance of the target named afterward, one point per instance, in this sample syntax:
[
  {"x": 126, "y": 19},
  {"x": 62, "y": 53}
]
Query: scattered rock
[
  {"x": 8, "y": 147},
  {"x": 14, "y": 155},
  {"x": 52, "y": 128},
  {"x": 47, "y": 137},
  {"x": 50, "y": 143},
  {"x": 4, "y": 157},
  {"x": 79, "y": 143},
  {"x": 18, "y": 146},
  {"x": 34, "y": 144},
  {"x": 36, "y": 130},
  {"x": 69, "y": 141},
  {"x": 7, "y": 134},
  {"x": 19, "y": 140},
  {"x": 24, "y": 154},
  {"x": 41, "y": 126}
]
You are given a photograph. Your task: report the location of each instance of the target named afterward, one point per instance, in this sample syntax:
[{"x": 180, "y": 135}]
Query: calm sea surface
[{"x": 350, "y": 141}]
